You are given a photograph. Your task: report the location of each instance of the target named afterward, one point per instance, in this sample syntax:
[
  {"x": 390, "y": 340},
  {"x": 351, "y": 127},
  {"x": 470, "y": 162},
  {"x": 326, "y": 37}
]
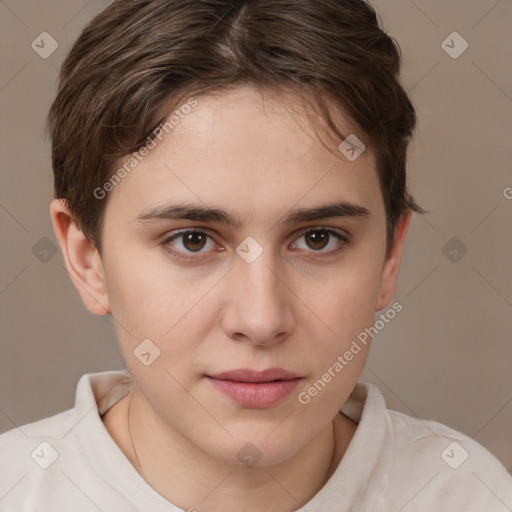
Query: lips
[
  {"x": 248, "y": 375},
  {"x": 255, "y": 389}
]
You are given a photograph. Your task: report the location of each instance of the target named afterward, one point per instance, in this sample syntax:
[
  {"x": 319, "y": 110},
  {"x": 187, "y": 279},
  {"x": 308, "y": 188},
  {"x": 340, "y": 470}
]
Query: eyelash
[{"x": 344, "y": 239}]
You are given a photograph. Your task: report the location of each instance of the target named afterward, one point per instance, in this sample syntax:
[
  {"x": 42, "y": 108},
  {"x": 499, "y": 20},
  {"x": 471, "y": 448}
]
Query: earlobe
[
  {"x": 83, "y": 263},
  {"x": 391, "y": 268}
]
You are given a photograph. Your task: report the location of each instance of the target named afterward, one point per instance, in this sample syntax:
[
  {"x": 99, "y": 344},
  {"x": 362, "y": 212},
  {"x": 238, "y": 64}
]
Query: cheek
[
  {"x": 148, "y": 294},
  {"x": 338, "y": 356},
  {"x": 346, "y": 300},
  {"x": 346, "y": 306},
  {"x": 149, "y": 305}
]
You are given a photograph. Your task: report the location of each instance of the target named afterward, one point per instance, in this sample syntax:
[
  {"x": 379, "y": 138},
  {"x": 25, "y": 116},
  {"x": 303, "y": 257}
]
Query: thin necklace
[
  {"x": 131, "y": 438},
  {"x": 330, "y": 470}
]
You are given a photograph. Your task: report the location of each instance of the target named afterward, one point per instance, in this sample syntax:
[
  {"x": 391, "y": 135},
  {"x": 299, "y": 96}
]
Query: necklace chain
[
  {"x": 130, "y": 434},
  {"x": 139, "y": 464}
]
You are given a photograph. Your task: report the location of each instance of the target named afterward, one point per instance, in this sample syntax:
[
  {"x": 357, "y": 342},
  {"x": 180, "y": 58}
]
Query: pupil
[
  {"x": 194, "y": 241},
  {"x": 317, "y": 239}
]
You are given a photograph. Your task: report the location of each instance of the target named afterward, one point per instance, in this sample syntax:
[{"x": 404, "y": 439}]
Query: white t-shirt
[{"x": 69, "y": 463}]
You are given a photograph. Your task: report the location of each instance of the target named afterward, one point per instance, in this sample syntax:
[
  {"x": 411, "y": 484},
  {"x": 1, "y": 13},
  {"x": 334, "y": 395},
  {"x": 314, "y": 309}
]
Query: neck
[{"x": 169, "y": 463}]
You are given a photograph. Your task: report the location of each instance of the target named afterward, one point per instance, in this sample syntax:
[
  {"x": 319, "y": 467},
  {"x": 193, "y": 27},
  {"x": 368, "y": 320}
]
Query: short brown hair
[{"x": 137, "y": 56}]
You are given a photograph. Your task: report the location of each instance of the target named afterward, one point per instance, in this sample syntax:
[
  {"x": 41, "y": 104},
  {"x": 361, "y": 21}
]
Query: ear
[
  {"x": 391, "y": 267},
  {"x": 83, "y": 262}
]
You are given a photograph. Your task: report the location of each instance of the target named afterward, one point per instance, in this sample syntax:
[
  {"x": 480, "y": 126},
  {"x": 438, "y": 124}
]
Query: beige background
[{"x": 445, "y": 357}]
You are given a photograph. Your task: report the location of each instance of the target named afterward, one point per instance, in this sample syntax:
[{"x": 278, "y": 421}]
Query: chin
[{"x": 250, "y": 451}]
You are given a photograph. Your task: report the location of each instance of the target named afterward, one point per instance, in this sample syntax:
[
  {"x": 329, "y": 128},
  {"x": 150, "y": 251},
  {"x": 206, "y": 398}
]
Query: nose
[{"x": 259, "y": 304}]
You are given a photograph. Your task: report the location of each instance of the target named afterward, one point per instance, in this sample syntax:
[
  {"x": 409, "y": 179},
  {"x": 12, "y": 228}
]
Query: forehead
[{"x": 247, "y": 149}]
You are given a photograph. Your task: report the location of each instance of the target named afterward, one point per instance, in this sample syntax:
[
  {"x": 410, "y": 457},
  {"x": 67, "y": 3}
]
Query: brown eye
[
  {"x": 317, "y": 240},
  {"x": 194, "y": 241},
  {"x": 188, "y": 242},
  {"x": 321, "y": 240}
]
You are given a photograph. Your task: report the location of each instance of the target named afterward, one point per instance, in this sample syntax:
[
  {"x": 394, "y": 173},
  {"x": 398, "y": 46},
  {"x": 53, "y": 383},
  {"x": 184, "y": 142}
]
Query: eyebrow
[{"x": 200, "y": 213}]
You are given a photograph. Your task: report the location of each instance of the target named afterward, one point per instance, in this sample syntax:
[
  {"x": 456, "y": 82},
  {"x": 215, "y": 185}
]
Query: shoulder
[
  {"x": 43, "y": 464},
  {"x": 433, "y": 464},
  {"x": 28, "y": 456},
  {"x": 95, "y": 393},
  {"x": 16, "y": 444}
]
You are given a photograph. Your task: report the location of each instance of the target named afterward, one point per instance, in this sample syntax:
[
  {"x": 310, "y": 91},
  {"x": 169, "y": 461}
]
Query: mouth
[{"x": 255, "y": 389}]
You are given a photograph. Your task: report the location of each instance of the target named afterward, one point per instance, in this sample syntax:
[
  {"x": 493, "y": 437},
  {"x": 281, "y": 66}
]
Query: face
[{"x": 215, "y": 250}]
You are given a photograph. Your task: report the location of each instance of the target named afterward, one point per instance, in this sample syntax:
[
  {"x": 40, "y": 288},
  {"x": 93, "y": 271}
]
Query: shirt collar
[{"x": 347, "y": 488}]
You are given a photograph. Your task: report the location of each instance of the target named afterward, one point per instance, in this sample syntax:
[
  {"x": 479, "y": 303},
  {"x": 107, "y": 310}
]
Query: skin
[{"x": 296, "y": 306}]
